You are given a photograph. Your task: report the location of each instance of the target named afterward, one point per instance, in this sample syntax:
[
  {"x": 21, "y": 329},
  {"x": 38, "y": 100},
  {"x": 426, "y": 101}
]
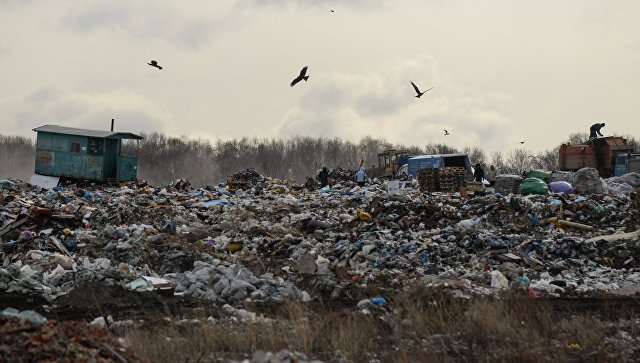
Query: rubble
[
  {"x": 24, "y": 341},
  {"x": 262, "y": 240},
  {"x": 115, "y": 235}
]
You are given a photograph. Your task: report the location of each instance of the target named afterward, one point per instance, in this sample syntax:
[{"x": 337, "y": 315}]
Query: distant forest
[{"x": 163, "y": 159}]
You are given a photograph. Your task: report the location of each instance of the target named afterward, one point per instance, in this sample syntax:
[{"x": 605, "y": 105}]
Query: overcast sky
[{"x": 503, "y": 71}]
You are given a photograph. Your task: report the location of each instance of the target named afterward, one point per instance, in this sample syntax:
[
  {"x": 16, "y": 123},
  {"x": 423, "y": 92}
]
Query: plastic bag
[
  {"x": 561, "y": 187},
  {"x": 539, "y": 174},
  {"x": 533, "y": 186}
]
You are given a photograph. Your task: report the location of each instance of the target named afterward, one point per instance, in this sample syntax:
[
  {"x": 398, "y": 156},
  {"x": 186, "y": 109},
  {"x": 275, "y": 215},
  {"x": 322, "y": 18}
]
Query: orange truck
[{"x": 609, "y": 155}]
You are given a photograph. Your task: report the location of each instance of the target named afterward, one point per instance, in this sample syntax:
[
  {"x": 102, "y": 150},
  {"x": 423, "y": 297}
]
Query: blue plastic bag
[{"x": 561, "y": 187}]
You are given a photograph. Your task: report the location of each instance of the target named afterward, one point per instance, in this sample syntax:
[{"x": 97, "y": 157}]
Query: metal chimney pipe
[{"x": 112, "y": 121}]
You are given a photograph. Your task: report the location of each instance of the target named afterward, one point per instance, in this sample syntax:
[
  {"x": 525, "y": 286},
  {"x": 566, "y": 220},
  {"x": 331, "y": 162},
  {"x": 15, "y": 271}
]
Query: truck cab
[{"x": 626, "y": 163}]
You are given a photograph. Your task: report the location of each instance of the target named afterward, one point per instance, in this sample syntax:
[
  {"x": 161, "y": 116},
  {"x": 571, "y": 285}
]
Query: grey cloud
[
  {"x": 15, "y": 3},
  {"x": 178, "y": 25},
  {"x": 88, "y": 110},
  {"x": 381, "y": 103},
  {"x": 92, "y": 17},
  {"x": 635, "y": 46},
  {"x": 367, "y": 4}
]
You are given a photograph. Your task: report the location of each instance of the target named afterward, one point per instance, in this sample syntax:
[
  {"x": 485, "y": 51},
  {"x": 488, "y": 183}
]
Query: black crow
[
  {"x": 301, "y": 76},
  {"x": 446, "y": 132},
  {"x": 521, "y": 142},
  {"x": 418, "y": 90},
  {"x": 154, "y": 64}
]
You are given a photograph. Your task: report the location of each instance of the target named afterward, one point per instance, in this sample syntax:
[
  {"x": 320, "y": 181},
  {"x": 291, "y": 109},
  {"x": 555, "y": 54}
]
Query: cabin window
[
  {"x": 96, "y": 147},
  {"x": 129, "y": 148},
  {"x": 75, "y": 147}
]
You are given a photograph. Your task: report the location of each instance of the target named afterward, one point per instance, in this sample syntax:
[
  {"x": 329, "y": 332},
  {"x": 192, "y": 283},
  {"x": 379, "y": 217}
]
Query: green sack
[
  {"x": 533, "y": 186},
  {"x": 539, "y": 174}
]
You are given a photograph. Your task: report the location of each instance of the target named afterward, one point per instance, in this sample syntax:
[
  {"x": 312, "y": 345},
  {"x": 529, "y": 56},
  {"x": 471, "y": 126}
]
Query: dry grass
[{"x": 421, "y": 325}]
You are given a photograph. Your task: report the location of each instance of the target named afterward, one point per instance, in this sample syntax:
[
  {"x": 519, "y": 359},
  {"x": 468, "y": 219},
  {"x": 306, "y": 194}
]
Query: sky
[{"x": 502, "y": 71}]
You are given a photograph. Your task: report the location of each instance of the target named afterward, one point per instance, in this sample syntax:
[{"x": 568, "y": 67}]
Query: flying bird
[
  {"x": 301, "y": 76},
  {"x": 521, "y": 142},
  {"x": 154, "y": 64},
  {"x": 332, "y": 11},
  {"x": 418, "y": 90},
  {"x": 446, "y": 133}
]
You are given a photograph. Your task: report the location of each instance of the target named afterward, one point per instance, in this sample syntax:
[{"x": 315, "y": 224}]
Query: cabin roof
[{"x": 56, "y": 129}]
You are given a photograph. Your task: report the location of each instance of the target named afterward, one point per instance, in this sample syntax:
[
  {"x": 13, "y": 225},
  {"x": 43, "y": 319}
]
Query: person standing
[
  {"x": 323, "y": 176},
  {"x": 361, "y": 177},
  {"x": 478, "y": 174},
  {"x": 594, "y": 131},
  {"x": 491, "y": 175}
]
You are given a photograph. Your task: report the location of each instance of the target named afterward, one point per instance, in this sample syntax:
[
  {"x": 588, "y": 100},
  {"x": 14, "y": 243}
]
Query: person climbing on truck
[{"x": 594, "y": 131}]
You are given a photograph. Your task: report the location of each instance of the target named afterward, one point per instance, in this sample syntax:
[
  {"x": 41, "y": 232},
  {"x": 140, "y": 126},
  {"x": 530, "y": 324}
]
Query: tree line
[{"x": 163, "y": 159}]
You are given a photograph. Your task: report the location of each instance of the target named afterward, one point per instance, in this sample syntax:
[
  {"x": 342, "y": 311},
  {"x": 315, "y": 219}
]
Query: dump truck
[{"x": 608, "y": 155}]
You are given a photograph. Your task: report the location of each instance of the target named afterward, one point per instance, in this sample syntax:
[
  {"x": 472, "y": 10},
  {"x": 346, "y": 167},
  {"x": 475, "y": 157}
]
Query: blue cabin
[{"x": 74, "y": 153}]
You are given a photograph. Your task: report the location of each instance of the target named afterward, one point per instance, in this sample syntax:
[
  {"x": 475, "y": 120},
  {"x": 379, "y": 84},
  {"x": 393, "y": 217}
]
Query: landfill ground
[{"x": 261, "y": 270}]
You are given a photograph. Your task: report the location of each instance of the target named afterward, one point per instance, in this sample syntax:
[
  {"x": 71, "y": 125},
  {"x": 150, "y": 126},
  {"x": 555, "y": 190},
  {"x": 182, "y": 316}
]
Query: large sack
[
  {"x": 633, "y": 179},
  {"x": 614, "y": 188},
  {"x": 587, "y": 181},
  {"x": 561, "y": 187},
  {"x": 507, "y": 184},
  {"x": 567, "y": 176},
  {"x": 539, "y": 174},
  {"x": 533, "y": 186}
]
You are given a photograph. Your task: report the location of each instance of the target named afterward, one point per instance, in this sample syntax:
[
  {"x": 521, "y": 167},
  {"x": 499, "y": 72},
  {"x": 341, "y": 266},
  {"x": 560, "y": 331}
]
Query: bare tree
[
  {"x": 518, "y": 161},
  {"x": 548, "y": 160},
  {"x": 439, "y": 149},
  {"x": 578, "y": 138},
  {"x": 476, "y": 155},
  {"x": 497, "y": 159},
  {"x": 17, "y": 157}
]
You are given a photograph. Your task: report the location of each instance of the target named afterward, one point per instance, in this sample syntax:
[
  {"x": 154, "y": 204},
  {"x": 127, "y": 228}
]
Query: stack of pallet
[
  {"x": 452, "y": 178},
  {"x": 429, "y": 180},
  {"x": 475, "y": 187}
]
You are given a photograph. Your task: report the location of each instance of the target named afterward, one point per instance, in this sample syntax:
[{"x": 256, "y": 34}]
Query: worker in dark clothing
[
  {"x": 478, "y": 174},
  {"x": 594, "y": 131},
  {"x": 323, "y": 177}
]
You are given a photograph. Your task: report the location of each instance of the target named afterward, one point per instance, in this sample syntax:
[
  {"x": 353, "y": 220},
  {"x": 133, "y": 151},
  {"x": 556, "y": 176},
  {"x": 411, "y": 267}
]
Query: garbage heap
[
  {"x": 270, "y": 242},
  {"x": 341, "y": 175},
  {"x": 26, "y": 336},
  {"x": 244, "y": 179}
]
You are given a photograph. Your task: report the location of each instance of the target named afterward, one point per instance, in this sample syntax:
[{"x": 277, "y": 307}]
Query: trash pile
[
  {"x": 341, "y": 175},
  {"x": 30, "y": 337},
  {"x": 245, "y": 179},
  {"x": 270, "y": 242}
]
